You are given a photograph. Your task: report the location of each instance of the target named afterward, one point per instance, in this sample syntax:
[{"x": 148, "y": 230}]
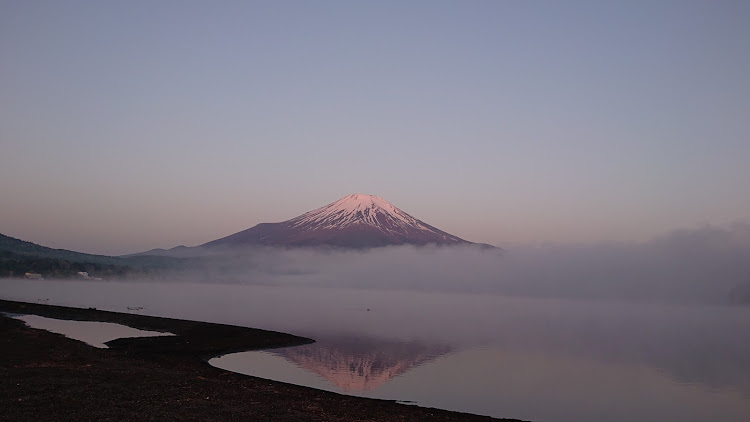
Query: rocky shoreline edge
[{"x": 49, "y": 377}]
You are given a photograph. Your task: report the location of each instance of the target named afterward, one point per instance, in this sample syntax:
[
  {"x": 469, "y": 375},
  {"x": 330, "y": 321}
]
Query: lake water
[
  {"x": 92, "y": 333},
  {"x": 534, "y": 359}
]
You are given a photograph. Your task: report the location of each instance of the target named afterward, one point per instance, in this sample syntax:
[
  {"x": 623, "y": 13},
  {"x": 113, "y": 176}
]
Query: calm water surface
[
  {"x": 534, "y": 359},
  {"x": 93, "y": 333}
]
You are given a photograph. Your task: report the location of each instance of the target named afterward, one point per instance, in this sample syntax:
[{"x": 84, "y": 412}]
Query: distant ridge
[
  {"x": 22, "y": 247},
  {"x": 354, "y": 221},
  {"x": 19, "y": 256}
]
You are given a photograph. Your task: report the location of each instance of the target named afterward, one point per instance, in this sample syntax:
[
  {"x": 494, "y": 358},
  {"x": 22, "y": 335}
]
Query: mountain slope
[
  {"x": 22, "y": 247},
  {"x": 25, "y": 254},
  {"x": 355, "y": 221}
]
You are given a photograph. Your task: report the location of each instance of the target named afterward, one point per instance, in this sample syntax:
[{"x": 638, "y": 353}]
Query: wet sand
[{"x": 49, "y": 377}]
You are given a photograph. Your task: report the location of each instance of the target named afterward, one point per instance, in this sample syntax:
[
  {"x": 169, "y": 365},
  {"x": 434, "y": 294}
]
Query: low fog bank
[{"x": 690, "y": 266}]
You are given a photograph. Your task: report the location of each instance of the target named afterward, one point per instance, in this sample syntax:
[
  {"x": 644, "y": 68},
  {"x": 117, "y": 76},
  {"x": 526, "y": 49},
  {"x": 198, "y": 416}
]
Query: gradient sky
[{"x": 129, "y": 125}]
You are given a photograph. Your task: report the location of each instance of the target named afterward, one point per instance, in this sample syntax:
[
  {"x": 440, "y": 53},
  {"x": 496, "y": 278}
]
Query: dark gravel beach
[{"x": 48, "y": 377}]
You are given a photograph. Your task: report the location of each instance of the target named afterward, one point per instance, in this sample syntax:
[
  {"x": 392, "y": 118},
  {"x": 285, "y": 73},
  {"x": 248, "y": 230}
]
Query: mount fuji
[{"x": 354, "y": 221}]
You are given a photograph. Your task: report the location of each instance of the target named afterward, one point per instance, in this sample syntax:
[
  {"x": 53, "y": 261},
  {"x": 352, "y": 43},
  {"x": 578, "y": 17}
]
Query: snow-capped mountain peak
[
  {"x": 359, "y": 208},
  {"x": 354, "y": 221}
]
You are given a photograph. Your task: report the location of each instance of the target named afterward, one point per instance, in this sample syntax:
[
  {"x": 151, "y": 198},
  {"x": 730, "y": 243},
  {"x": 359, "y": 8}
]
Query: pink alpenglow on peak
[{"x": 354, "y": 221}]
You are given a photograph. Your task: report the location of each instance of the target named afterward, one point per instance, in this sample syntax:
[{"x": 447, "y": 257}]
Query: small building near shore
[{"x": 34, "y": 276}]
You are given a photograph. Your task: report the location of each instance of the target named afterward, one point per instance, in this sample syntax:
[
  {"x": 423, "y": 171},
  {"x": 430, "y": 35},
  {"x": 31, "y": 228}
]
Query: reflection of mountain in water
[{"x": 355, "y": 364}]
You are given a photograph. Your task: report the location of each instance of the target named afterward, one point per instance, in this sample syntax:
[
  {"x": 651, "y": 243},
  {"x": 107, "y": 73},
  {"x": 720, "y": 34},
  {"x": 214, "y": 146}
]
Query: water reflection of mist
[
  {"x": 702, "y": 344},
  {"x": 522, "y": 347},
  {"x": 495, "y": 379}
]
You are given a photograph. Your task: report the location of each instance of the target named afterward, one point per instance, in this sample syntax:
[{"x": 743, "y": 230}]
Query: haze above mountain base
[{"x": 693, "y": 266}]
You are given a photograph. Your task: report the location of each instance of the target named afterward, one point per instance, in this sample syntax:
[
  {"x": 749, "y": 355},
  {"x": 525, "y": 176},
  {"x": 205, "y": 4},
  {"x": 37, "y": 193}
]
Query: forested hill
[{"x": 19, "y": 256}]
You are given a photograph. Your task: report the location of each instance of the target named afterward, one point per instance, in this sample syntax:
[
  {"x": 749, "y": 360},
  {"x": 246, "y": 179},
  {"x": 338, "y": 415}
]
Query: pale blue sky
[{"x": 131, "y": 125}]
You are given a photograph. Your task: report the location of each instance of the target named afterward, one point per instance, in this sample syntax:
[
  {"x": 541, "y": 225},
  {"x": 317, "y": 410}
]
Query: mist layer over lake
[
  {"x": 531, "y": 358},
  {"x": 700, "y": 266}
]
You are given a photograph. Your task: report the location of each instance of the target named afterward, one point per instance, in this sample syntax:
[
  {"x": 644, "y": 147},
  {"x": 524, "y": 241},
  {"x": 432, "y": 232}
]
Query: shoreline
[{"x": 47, "y": 376}]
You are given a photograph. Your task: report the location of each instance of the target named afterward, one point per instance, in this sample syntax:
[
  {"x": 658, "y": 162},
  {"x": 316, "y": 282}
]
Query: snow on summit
[
  {"x": 354, "y": 221},
  {"x": 358, "y": 209}
]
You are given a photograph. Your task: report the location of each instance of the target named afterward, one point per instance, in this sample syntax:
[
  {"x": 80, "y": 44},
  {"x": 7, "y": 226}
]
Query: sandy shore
[{"x": 48, "y": 377}]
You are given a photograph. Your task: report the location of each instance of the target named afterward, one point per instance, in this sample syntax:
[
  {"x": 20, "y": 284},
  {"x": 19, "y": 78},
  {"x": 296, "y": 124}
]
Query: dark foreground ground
[{"x": 48, "y": 377}]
